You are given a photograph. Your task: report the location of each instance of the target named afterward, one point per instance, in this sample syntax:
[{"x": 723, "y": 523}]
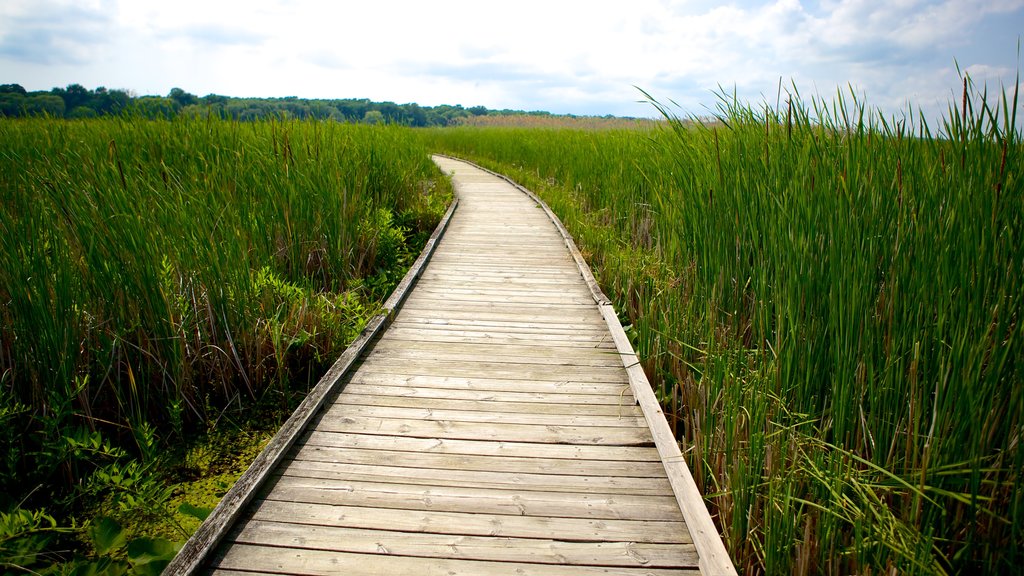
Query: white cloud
[{"x": 571, "y": 56}]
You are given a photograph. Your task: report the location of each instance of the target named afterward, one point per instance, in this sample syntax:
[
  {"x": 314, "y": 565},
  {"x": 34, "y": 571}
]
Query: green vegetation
[
  {"x": 162, "y": 279},
  {"x": 829, "y": 305},
  {"x": 76, "y": 101}
]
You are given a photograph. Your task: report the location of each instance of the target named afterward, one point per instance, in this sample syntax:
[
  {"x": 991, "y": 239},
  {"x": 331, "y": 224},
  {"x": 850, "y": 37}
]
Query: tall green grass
[
  {"x": 157, "y": 275},
  {"x": 829, "y": 304}
]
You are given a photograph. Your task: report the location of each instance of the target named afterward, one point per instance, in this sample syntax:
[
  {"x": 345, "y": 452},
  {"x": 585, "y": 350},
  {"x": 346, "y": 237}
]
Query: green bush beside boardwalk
[{"x": 162, "y": 277}]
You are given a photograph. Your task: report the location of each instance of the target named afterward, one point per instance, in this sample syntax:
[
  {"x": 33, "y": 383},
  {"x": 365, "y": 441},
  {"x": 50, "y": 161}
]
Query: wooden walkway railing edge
[
  {"x": 196, "y": 549},
  {"x": 713, "y": 557}
]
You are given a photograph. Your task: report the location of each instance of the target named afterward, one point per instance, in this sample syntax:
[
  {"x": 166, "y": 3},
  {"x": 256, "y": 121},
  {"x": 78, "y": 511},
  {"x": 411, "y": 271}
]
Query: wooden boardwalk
[{"x": 491, "y": 428}]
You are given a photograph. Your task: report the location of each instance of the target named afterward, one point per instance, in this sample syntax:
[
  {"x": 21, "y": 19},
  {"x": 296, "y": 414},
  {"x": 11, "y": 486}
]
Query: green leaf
[
  {"x": 101, "y": 567},
  {"x": 107, "y": 535},
  {"x": 194, "y": 511},
  {"x": 146, "y": 551}
]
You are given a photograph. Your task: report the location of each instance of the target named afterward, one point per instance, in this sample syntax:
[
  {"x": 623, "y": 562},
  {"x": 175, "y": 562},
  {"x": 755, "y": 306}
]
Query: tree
[
  {"x": 109, "y": 101},
  {"x": 12, "y": 104},
  {"x": 214, "y": 99},
  {"x": 373, "y": 117},
  {"x": 353, "y": 110},
  {"x": 82, "y": 112},
  {"x": 39, "y": 104},
  {"x": 182, "y": 98},
  {"x": 417, "y": 117},
  {"x": 74, "y": 95},
  {"x": 154, "y": 107},
  {"x": 12, "y": 89}
]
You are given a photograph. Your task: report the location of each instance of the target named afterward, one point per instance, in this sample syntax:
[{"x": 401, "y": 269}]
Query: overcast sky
[{"x": 580, "y": 57}]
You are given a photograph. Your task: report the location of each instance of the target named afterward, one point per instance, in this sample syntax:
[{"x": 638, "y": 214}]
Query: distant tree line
[{"x": 76, "y": 101}]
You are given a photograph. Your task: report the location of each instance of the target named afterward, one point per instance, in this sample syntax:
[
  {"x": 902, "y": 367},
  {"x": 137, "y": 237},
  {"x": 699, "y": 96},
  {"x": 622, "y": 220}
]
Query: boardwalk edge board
[
  {"x": 713, "y": 557},
  {"x": 196, "y": 549}
]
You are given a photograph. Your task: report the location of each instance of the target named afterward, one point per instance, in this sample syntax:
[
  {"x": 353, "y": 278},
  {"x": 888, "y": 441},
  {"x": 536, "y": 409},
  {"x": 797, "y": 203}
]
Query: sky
[{"x": 563, "y": 56}]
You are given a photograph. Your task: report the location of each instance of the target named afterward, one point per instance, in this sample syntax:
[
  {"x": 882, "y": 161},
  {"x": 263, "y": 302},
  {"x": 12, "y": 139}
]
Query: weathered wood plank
[
  {"x": 414, "y": 354},
  {"x": 453, "y": 268},
  {"x": 396, "y": 400},
  {"x": 531, "y": 300},
  {"x": 582, "y": 318},
  {"x": 596, "y": 484},
  {"x": 551, "y": 434},
  {"x": 504, "y": 279},
  {"x": 462, "y": 288},
  {"x": 636, "y": 460},
  {"x": 534, "y": 551},
  {"x": 515, "y": 350},
  {"x": 342, "y": 411},
  {"x": 439, "y": 334},
  {"x": 317, "y": 562},
  {"x": 474, "y": 321},
  {"x": 616, "y": 401},
  {"x": 476, "y": 500},
  {"x": 561, "y": 291},
  {"x": 548, "y": 383},
  {"x": 471, "y": 524},
  {"x": 524, "y": 308},
  {"x": 541, "y": 463},
  {"x": 491, "y": 370}
]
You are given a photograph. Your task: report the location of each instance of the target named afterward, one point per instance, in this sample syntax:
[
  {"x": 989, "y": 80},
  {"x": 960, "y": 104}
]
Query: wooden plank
[
  {"x": 532, "y": 300},
  {"x": 375, "y": 473},
  {"x": 610, "y": 401},
  {"x": 466, "y": 356},
  {"x": 635, "y": 460},
  {"x": 476, "y": 289},
  {"x": 550, "y": 384},
  {"x": 492, "y": 370},
  {"x": 470, "y": 272},
  {"x": 534, "y": 551},
  {"x": 470, "y": 293},
  {"x": 542, "y": 462},
  {"x": 509, "y": 281},
  {"x": 471, "y": 524},
  {"x": 580, "y": 324},
  {"x": 497, "y": 261},
  {"x": 551, "y": 434},
  {"x": 397, "y": 400},
  {"x": 557, "y": 317},
  {"x": 476, "y": 500},
  {"x": 342, "y": 411},
  {"x": 486, "y": 262},
  {"x": 518, "y": 350},
  {"x": 524, "y": 307},
  {"x": 317, "y": 562},
  {"x": 440, "y": 334}
]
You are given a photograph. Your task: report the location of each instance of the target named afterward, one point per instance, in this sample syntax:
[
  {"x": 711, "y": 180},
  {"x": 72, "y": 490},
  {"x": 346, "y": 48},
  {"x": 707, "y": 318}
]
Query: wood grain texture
[
  {"x": 473, "y": 524},
  {"x": 278, "y": 560},
  {"x": 501, "y": 549}
]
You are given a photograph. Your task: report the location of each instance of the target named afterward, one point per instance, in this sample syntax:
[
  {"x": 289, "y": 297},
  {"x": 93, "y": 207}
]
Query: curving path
[{"x": 492, "y": 428}]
